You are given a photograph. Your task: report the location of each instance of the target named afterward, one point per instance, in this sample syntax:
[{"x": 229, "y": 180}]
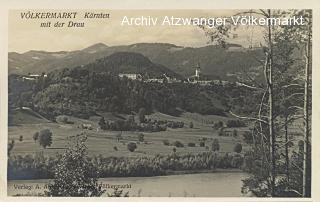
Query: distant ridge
[{"x": 218, "y": 62}]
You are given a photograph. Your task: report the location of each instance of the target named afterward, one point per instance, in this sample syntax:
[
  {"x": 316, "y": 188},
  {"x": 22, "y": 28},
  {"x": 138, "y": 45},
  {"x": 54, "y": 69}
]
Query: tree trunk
[
  {"x": 287, "y": 148},
  {"x": 306, "y": 192},
  {"x": 271, "y": 121}
]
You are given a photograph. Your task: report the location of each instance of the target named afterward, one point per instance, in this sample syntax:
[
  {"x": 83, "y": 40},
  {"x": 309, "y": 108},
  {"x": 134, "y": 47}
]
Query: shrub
[
  {"x": 10, "y": 146},
  {"x": 235, "y": 123},
  {"x": 45, "y": 138},
  {"x": 221, "y": 132},
  {"x": 166, "y": 142},
  {"x": 178, "y": 144},
  {"x": 202, "y": 144},
  {"x": 237, "y": 148},
  {"x": 190, "y": 125},
  {"x": 119, "y": 137},
  {"x": 35, "y": 136},
  {"x": 235, "y": 133},
  {"x": 218, "y": 125},
  {"x": 142, "y": 114},
  {"x": 215, "y": 145},
  {"x": 191, "y": 144},
  {"x": 115, "y": 148},
  {"x": 102, "y": 124},
  {"x": 21, "y": 138},
  {"x": 174, "y": 150},
  {"x": 141, "y": 137},
  {"x": 247, "y": 136},
  {"x": 132, "y": 146}
]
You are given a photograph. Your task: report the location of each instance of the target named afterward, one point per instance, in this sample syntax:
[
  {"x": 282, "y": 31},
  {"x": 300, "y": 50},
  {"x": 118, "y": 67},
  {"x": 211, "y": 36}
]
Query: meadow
[{"x": 102, "y": 142}]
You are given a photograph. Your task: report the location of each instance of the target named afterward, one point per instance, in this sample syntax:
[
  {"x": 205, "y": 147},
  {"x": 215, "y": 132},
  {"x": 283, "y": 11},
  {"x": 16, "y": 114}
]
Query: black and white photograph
[{"x": 159, "y": 103}]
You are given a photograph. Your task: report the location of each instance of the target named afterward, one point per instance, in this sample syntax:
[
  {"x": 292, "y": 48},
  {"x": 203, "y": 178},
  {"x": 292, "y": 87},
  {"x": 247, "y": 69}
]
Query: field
[{"x": 103, "y": 142}]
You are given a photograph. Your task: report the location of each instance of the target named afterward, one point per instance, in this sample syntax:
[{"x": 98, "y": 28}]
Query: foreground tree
[
  {"x": 281, "y": 62},
  {"x": 74, "y": 174}
]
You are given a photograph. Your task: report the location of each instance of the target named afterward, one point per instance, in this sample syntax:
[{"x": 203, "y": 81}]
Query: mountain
[
  {"x": 216, "y": 61},
  {"x": 129, "y": 62}
]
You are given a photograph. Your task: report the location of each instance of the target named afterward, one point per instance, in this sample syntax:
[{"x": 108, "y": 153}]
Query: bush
[
  {"x": 35, "y": 136},
  {"x": 142, "y": 114},
  {"x": 141, "y": 137},
  {"x": 174, "y": 150},
  {"x": 10, "y": 146},
  {"x": 235, "y": 123},
  {"x": 202, "y": 144},
  {"x": 235, "y": 133},
  {"x": 166, "y": 142},
  {"x": 221, "y": 132},
  {"x": 115, "y": 148},
  {"x": 132, "y": 146},
  {"x": 218, "y": 125},
  {"x": 178, "y": 144},
  {"x": 21, "y": 138},
  {"x": 215, "y": 145},
  {"x": 247, "y": 136},
  {"x": 237, "y": 148},
  {"x": 191, "y": 144},
  {"x": 190, "y": 125},
  {"x": 102, "y": 124}
]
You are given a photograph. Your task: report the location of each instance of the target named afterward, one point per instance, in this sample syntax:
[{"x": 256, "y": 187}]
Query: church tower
[{"x": 198, "y": 71}]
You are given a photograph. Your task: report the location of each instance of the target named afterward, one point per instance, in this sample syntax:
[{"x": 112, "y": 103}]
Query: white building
[{"x": 131, "y": 76}]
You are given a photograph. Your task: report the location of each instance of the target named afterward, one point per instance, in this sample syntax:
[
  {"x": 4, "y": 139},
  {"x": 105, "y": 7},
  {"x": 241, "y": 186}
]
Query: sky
[{"x": 26, "y": 34}]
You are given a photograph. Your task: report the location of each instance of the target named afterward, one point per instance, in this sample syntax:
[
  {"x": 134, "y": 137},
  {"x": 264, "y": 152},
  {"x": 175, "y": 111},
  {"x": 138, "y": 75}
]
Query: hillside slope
[{"x": 215, "y": 61}]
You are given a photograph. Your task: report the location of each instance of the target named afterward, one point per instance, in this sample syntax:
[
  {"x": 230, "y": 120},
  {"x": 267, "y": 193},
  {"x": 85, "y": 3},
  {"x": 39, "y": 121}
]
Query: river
[{"x": 218, "y": 184}]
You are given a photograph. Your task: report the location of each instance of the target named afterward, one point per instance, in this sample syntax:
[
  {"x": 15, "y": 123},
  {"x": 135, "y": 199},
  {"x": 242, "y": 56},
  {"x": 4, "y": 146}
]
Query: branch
[{"x": 249, "y": 118}]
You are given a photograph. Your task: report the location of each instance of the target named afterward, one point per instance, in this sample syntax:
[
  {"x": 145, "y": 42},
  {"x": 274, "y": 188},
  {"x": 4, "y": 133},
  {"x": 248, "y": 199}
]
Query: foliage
[
  {"x": 102, "y": 123},
  {"x": 191, "y": 144},
  {"x": 235, "y": 123},
  {"x": 191, "y": 124},
  {"x": 35, "y": 136},
  {"x": 237, "y": 148},
  {"x": 74, "y": 174},
  {"x": 21, "y": 138},
  {"x": 45, "y": 138},
  {"x": 218, "y": 125},
  {"x": 141, "y": 137},
  {"x": 142, "y": 115},
  {"x": 215, "y": 145},
  {"x": 132, "y": 146},
  {"x": 40, "y": 167},
  {"x": 202, "y": 144},
  {"x": 177, "y": 143},
  {"x": 10, "y": 146},
  {"x": 235, "y": 133},
  {"x": 166, "y": 142}
]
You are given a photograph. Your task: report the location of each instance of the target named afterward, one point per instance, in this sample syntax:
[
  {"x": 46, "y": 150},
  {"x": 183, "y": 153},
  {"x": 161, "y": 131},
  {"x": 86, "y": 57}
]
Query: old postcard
[{"x": 148, "y": 102}]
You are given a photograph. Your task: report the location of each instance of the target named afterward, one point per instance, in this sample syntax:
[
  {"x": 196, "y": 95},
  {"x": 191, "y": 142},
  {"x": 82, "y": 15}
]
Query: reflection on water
[{"x": 220, "y": 184}]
